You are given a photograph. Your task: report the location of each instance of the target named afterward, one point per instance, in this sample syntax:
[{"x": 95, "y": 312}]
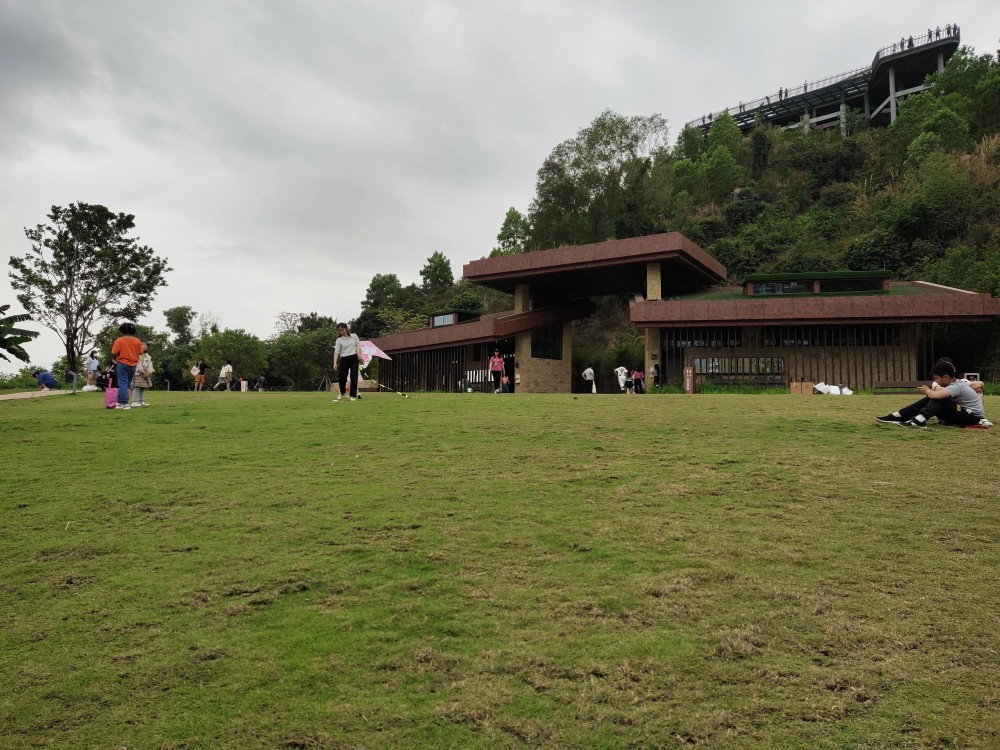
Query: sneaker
[
  {"x": 914, "y": 423},
  {"x": 889, "y": 419},
  {"x": 339, "y": 396},
  {"x": 984, "y": 422},
  {"x": 123, "y": 407},
  {"x": 353, "y": 399}
]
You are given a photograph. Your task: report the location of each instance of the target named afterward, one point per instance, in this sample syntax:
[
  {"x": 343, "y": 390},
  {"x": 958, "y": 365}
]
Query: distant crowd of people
[{"x": 630, "y": 382}]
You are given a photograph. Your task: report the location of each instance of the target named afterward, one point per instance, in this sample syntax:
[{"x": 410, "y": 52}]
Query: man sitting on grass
[{"x": 952, "y": 401}]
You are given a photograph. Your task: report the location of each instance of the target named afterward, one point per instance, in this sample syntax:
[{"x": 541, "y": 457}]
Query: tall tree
[
  {"x": 179, "y": 321},
  {"x": 314, "y": 321},
  {"x": 514, "y": 233},
  {"x": 382, "y": 290},
  {"x": 84, "y": 268},
  {"x": 437, "y": 273},
  {"x": 581, "y": 185},
  {"x": 690, "y": 143},
  {"x": 725, "y": 132}
]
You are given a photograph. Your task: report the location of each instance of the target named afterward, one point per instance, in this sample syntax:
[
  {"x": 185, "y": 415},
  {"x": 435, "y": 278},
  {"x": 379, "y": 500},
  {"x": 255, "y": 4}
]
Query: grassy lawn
[{"x": 449, "y": 571}]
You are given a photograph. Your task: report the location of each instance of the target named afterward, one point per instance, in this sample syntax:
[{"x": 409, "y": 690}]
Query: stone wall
[{"x": 543, "y": 375}]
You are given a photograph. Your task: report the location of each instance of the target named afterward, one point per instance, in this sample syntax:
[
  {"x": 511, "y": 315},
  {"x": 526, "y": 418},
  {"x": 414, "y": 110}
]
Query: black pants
[
  {"x": 349, "y": 363},
  {"x": 497, "y": 374},
  {"x": 945, "y": 409}
]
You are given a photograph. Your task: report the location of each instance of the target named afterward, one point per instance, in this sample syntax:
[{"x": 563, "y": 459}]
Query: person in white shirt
[
  {"x": 225, "y": 376},
  {"x": 622, "y": 374},
  {"x": 588, "y": 375},
  {"x": 345, "y": 352},
  {"x": 93, "y": 367}
]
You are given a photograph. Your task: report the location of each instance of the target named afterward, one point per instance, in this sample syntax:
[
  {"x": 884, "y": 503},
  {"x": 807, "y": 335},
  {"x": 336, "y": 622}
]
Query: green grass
[{"x": 470, "y": 571}]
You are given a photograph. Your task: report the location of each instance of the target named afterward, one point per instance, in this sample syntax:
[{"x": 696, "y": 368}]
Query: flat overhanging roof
[
  {"x": 936, "y": 304},
  {"x": 601, "y": 268}
]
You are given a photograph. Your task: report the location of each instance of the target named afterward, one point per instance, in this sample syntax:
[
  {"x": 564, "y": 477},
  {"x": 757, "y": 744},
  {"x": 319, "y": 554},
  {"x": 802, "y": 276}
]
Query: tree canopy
[{"x": 84, "y": 268}]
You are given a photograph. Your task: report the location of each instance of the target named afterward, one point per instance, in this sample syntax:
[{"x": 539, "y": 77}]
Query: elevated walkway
[{"x": 898, "y": 70}]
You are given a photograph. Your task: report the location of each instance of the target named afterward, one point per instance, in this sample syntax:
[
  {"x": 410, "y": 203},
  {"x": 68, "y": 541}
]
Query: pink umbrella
[{"x": 367, "y": 350}]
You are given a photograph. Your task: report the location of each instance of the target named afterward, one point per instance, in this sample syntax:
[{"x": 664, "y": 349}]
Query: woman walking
[
  {"x": 143, "y": 378},
  {"x": 345, "y": 360},
  {"x": 496, "y": 370}
]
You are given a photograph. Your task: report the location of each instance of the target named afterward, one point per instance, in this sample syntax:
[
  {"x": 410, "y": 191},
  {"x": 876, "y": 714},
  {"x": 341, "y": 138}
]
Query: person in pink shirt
[{"x": 496, "y": 370}]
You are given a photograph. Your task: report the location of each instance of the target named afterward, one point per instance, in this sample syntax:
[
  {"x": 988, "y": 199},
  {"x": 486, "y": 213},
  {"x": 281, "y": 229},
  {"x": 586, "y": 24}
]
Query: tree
[
  {"x": 725, "y": 132},
  {"x": 84, "y": 268},
  {"x": 466, "y": 301},
  {"x": 514, "y": 233},
  {"x": 301, "y": 359},
  {"x": 314, "y": 321},
  {"x": 179, "y": 321},
  {"x": 437, "y": 273},
  {"x": 925, "y": 113},
  {"x": 971, "y": 85},
  {"x": 581, "y": 185},
  {"x": 247, "y": 353},
  {"x": 761, "y": 150},
  {"x": 722, "y": 173},
  {"x": 690, "y": 143},
  {"x": 382, "y": 290},
  {"x": 11, "y": 338},
  {"x": 368, "y": 325}
]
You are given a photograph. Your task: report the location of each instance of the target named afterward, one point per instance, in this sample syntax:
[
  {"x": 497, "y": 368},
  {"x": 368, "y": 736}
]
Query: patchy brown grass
[{"x": 271, "y": 571}]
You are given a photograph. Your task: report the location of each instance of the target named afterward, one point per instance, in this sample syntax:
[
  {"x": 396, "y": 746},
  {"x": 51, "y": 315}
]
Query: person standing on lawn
[
  {"x": 588, "y": 376},
  {"x": 143, "y": 377},
  {"x": 345, "y": 352},
  {"x": 199, "y": 379},
  {"x": 126, "y": 352},
  {"x": 93, "y": 367},
  {"x": 496, "y": 370},
  {"x": 225, "y": 376},
  {"x": 953, "y": 402}
]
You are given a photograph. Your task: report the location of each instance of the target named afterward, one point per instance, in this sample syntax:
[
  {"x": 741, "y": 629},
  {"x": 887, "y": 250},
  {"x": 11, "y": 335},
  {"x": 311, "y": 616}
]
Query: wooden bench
[{"x": 890, "y": 387}]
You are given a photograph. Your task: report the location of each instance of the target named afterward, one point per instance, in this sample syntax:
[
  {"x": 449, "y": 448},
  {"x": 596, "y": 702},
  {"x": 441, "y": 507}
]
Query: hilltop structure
[{"x": 898, "y": 70}]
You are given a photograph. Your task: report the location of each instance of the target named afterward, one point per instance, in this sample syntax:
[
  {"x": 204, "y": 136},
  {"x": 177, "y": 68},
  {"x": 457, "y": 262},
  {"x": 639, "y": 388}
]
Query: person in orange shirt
[{"x": 126, "y": 351}]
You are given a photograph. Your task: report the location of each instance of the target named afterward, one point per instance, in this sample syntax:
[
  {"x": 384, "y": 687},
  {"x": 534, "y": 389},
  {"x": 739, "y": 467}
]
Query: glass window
[
  {"x": 547, "y": 342},
  {"x": 443, "y": 320}
]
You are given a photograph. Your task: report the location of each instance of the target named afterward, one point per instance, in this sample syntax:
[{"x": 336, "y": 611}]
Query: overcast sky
[{"x": 279, "y": 154}]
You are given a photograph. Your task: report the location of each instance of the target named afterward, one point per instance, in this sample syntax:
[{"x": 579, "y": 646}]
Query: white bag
[{"x": 195, "y": 370}]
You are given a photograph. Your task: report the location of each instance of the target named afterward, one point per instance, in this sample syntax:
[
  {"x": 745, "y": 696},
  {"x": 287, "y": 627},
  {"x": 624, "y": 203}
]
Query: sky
[{"x": 280, "y": 154}]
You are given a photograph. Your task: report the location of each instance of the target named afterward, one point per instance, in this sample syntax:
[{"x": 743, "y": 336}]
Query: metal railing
[{"x": 905, "y": 44}]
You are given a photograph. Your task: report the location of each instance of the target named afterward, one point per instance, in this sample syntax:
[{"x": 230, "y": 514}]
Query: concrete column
[
  {"x": 892, "y": 94},
  {"x": 843, "y": 116},
  {"x": 868, "y": 108},
  {"x": 941, "y": 61},
  {"x": 652, "y": 354},
  {"x": 522, "y": 298},
  {"x": 654, "y": 281}
]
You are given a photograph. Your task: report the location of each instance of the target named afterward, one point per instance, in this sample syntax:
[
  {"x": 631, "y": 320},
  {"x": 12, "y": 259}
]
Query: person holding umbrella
[{"x": 346, "y": 349}]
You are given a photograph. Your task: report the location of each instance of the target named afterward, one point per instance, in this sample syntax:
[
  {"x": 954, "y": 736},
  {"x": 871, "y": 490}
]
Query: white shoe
[
  {"x": 984, "y": 422},
  {"x": 339, "y": 396},
  {"x": 353, "y": 399},
  {"x": 123, "y": 407}
]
